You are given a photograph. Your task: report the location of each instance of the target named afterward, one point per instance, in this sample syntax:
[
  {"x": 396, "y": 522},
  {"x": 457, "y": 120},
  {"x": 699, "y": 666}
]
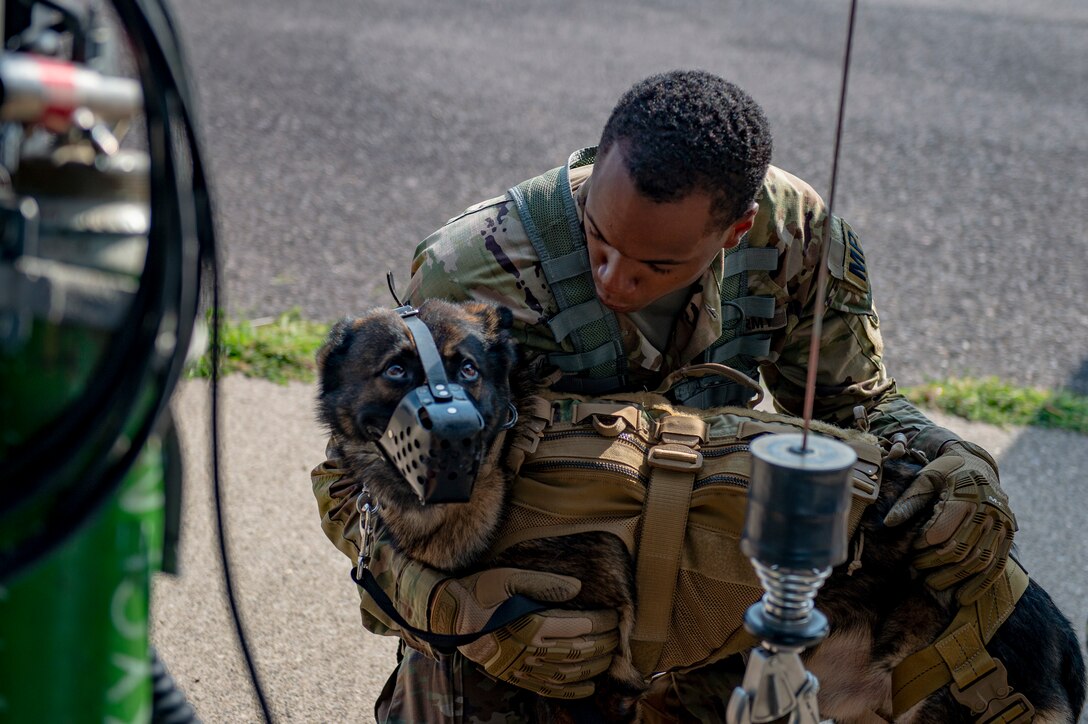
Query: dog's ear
[
  {"x": 506, "y": 317},
  {"x": 336, "y": 346},
  {"x": 495, "y": 323},
  {"x": 493, "y": 318}
]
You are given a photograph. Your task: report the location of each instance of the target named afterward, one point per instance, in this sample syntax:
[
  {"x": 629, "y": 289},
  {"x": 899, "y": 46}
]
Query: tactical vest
[
  {"x": 671, "y": 483},
  {"x": 598, "y": 363}
]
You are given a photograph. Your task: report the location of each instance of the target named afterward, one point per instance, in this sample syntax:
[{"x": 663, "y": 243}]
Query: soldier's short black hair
[{"x": 689, "y": 130}]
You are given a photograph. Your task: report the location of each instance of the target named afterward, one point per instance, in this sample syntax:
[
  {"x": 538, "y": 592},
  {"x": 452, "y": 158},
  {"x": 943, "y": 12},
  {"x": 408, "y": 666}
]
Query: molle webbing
[
  {"x": 547, "y": 211},
  {"x": 671, "y": 483},
  {"x": 674, "y": 463},
  {"x": 737, "y": 346}
]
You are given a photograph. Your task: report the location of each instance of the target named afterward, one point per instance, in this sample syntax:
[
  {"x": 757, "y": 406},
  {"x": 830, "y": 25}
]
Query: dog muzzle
[{"x": 435, "y": 437}]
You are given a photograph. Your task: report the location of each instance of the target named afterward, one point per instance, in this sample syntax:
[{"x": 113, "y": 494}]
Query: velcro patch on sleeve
[
  {"x": 854, "y": 270},
  {"x": 846, "y": 260}
]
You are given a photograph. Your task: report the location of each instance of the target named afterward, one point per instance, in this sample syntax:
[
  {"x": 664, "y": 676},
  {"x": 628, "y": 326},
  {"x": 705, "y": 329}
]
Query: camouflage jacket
[{"x": 484, "y": 254}]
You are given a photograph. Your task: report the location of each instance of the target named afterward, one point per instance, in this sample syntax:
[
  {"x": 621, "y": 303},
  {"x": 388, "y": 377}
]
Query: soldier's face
[{"x": 641, "y": 250}]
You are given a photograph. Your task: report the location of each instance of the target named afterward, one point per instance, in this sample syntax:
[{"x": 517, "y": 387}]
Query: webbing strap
[
  {"x": 577, "y": 361},
  {"x": 428, "y": 354},
  {"x": 765, "y": 259},
  {"x": 754, "y": 306},
  {"x": 536, "y": 414},
  {"x": 628, "y": 413},
  {"x": 664, "y": 522},
  {"x": 549, "y": 215},
  {"x": 567, "y": 266},
  {"x": 959, "y": 656},
  {"x": 575, "y": 317},
  {"x": 750, "y": 345}
]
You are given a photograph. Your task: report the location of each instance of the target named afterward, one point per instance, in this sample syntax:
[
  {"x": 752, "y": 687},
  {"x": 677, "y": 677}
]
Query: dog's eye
[
  {"x": 469, "y": 371},
  {"x": 395, "y": 371}
]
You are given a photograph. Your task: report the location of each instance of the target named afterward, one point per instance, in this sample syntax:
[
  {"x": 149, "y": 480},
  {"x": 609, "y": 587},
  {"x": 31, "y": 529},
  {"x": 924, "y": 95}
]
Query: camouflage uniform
[{"x": 485, "y": 254}]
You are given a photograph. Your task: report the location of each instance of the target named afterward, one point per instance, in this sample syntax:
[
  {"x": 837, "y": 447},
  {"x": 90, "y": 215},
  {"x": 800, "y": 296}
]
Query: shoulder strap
[
  {"x": 548, "y": 213},
  {"x": 674, "y": 462}
]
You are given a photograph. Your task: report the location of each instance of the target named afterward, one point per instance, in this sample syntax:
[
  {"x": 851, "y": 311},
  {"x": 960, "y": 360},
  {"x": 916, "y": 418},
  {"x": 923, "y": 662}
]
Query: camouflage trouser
[{"x": 451, "y": 690}]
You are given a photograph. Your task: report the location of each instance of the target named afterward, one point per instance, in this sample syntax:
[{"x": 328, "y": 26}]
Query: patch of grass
[
  {"x": 282, "y": 349},
  {"x": 999, "y": 403},
  {"x": 279, "y": 349}
]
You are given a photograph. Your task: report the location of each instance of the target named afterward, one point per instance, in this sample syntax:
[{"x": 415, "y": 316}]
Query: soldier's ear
[{"x": 740, "y": 227}]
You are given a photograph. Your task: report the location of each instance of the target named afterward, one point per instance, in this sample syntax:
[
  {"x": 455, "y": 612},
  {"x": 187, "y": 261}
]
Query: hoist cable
[{"x": 821, "y": 273}]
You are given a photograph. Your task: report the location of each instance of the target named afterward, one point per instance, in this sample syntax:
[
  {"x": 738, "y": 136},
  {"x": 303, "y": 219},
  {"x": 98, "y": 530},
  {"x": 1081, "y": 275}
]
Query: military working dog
[{"x": 878, "y": 615}]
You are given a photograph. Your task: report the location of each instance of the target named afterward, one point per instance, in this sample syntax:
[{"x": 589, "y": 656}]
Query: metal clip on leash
[
  {"x": 794, "y": 533},
  {"x": 368, "y": 514}
]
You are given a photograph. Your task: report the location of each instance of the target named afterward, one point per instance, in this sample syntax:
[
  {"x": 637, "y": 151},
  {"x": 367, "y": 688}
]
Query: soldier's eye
[
  {"x": 395, "y": 371},
  {"x": 469, "y": 372}
]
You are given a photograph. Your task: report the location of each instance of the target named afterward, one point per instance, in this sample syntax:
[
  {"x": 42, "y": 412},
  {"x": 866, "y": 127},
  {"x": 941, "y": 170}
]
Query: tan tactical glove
[
  {"x": 967, "y": 540},
  {"x": 552, "y": 653}
]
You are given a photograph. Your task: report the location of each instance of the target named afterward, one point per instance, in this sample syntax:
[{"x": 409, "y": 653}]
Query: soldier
[{"x": 672, "y": 242}]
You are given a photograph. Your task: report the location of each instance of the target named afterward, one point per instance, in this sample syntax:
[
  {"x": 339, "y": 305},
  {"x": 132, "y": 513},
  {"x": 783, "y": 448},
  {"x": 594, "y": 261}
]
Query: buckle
[
  {"x": 991, "y": 699},
  {"x": 1015, "y": 709},
  {"x": 681, "y": 430},
  {"x": 671, "y": 456}
]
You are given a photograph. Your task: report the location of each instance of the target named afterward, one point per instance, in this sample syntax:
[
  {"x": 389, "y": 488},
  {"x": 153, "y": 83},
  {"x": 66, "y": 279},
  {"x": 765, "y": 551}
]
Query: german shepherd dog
[{"x": 877, "y": 616}]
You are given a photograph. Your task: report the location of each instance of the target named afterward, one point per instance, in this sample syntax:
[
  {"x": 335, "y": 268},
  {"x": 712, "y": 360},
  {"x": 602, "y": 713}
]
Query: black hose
[
  {"x": 161, "y": 26},
  {"x": 134, "y": 379}
]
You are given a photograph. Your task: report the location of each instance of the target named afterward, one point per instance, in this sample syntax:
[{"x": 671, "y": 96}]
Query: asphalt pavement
[
  {"x": 341, "y": 132},
  {"x": 300, "y": 607}
]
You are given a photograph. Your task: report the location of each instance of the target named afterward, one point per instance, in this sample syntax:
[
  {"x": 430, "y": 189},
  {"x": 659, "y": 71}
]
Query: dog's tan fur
[{"x": 877, "y": 617}]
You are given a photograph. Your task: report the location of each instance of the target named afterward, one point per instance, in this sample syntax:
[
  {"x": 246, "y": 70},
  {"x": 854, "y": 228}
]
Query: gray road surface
[
  {"x": 301, "y": 608},
  {"x": 341, "y": 132}
]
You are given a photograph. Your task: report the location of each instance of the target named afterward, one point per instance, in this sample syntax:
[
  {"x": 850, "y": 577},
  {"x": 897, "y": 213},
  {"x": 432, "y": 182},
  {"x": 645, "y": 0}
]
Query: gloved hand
[
  {"x": 552, "y": 653},
  {"x": 967, "y": 540}
]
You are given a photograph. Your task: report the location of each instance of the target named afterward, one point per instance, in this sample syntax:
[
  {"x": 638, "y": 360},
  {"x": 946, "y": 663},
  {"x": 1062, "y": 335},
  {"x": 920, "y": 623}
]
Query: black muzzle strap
[
  {"x": 434, "y": 435},
  {"x": 509, "y": 611},
  {"x": 433, "y": 370}
]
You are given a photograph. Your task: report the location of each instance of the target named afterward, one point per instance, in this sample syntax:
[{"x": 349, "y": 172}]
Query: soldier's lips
[{"x": 616, "y": 306}]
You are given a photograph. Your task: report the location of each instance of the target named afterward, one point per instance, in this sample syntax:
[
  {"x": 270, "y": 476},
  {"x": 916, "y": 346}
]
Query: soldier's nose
[{"x": 613, "y": 276}]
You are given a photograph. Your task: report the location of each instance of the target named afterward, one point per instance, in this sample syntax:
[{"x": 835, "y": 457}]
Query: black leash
[{"x": 511, "y": 610}]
